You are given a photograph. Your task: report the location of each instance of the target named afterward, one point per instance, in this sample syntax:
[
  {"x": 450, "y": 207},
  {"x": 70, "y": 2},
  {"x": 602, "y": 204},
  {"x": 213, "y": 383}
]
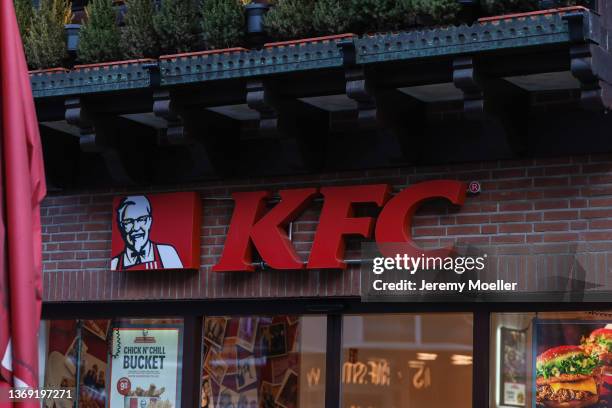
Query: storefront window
[
  {"x": 120, "y": 363},
  {"x": 60, "y": 369},
  {"x": 407, "y": 360},
  {"x": 565, "y": 357},
  {"x": 263, "y": 362}
]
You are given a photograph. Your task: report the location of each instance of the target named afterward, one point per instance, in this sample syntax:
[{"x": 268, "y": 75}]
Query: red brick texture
[{"x": 537, "y": 206}]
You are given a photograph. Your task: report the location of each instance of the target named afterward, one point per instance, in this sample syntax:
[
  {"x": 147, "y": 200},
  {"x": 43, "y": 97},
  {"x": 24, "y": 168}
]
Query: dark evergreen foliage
[
  {"x": 25, "y": 13},
  {"x": 177, "y": 25},
  {"x": 290, "y": 19},
  {"x": 45, "y": 40},
  {"x": 139, "y": 38},
  {"x": 362, "y": 16},
  {"x": 222, "y": 23},
  {"x": 493, "y": 7},
  {"x": 100, "y": 38}
]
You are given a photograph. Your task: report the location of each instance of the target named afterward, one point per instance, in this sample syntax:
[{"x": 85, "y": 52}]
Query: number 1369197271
[{"x": 19, "y": 394}]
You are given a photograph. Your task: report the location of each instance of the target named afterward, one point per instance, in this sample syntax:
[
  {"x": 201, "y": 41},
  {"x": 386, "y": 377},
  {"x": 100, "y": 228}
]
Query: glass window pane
[
  {"x": 264, "y": 361},
  {"x": 564, "y": 356},
  {"x": 93, "y": 363},
  {"x": 407, "y": 360},
  {"x": 61, "y": 359},
  {"x": 121, "y": 363}
]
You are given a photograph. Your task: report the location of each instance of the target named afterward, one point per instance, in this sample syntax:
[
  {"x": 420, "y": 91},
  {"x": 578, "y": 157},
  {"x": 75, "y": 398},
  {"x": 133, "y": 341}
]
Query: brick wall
[{"x": 540, "y": 206}]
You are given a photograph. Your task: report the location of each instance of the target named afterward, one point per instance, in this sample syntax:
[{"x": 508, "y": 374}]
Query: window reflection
[
  {"x": 61, "y": 362},
  {"x": 407, "y": 360},
  {"x": 263, "y": 362},
  {"x": 77, "y": 349}
]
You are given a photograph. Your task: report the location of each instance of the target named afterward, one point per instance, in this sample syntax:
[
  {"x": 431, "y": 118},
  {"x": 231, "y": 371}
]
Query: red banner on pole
[{"x": 22, "y": 188}]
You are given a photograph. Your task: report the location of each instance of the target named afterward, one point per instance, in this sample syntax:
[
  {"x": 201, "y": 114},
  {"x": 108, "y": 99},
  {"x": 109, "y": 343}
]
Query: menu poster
[
  {"x": 145, "y": 373},
  {"x": 513, "y": 373},
  {"x": 572, "y": 363}
]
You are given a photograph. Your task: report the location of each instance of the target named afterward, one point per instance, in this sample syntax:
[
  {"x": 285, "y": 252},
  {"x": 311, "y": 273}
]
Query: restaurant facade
[{"x": 214, "y": 218}]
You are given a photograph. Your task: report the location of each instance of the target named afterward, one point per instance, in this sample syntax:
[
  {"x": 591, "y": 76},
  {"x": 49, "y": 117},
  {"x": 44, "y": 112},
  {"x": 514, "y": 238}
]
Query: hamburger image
[
  {"x": 564, "y": 378},
  {"x": 599, "y": 343}
]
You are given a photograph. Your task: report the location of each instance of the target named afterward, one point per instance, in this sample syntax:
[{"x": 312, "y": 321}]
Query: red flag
[{"x": 22, "y": 188}]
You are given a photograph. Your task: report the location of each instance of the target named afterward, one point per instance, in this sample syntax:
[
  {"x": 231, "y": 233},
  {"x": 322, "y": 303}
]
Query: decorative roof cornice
[
  {"x": 539, "y": 29},
  {"x": 93, "y": 78},
  {"x": 517, "y": 31}
]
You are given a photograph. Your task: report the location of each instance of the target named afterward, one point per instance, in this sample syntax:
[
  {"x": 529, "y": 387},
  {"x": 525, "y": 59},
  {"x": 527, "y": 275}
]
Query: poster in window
[
  {"x": 288, "y": 395},
  {"x": 274, "y": 339},
  {"x": 206, "y": 394},
  {"x": 247, "y": 331},
  {"x": 60, "y": 367},
  {"x": 513, "y": 374},
  {"x": 64, "y": 338},
  {"x": 247, "y": 366},
  {"x": 573, "y": 363},
  {"x": 145, "y": 367}
]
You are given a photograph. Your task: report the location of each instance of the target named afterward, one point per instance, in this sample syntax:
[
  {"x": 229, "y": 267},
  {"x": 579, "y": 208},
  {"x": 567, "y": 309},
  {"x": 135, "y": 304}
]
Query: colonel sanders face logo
[{"x": 134, "y": 220}]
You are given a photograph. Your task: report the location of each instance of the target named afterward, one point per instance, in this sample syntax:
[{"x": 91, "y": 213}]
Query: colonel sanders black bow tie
[{"x": 139, "y": 255}]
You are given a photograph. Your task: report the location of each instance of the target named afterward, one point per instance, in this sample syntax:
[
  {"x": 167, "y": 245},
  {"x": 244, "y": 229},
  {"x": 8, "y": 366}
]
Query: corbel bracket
[
  {"x": 165, "y": 107},
  {"x": 495, "y": 101},
  {"x": 281, "y": 119},
  {"x": 358, "y": 86},
  {"x": 262, "y": 98},
  {"x": 360, "y": 89},
  {"x": 184, "y": 128},
  {"x": 466, "y": 79},
  {"x": 591, "y": 64},
  {"x": 95, "y": 138}
]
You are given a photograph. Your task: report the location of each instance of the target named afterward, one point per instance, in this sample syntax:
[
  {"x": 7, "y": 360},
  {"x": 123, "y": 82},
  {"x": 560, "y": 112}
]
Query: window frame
[{"x": 193, "y": 312}]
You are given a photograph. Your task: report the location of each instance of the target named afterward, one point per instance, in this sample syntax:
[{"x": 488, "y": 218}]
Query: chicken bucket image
[{"x": 146, "y": 369}]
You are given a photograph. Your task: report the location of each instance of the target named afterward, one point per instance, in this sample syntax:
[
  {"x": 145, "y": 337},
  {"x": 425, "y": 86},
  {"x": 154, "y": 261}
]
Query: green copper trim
[
  {"x": 244, "y": 64},
  {"x": 100, "y": 78},
  {"x": 538, "y": 30}
]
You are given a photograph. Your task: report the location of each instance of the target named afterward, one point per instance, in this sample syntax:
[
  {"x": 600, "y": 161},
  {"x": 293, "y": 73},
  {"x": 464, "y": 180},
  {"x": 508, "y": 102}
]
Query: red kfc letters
[
  {"x": 337, "y": 221},
  {"x": 394, "y": 223},
  {"x": 252, "y": 227}
]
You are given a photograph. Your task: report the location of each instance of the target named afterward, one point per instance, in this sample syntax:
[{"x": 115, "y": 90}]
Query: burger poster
[
  {"x": 145, "y": 367},
  {"x": 573, "y": 364}
]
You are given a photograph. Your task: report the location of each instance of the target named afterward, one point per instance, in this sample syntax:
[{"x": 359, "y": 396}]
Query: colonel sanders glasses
[{"x": 129, "y": 224}]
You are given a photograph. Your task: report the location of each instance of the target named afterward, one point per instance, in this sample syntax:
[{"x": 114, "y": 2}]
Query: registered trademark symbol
[{"x": 474, "y": 187}]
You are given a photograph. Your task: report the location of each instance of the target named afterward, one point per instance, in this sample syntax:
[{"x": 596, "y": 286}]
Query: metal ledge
[
  {"x": 539, "y": 30},
  {"x": 85, "y": 79},
  {"x": 293, "y": 56}
]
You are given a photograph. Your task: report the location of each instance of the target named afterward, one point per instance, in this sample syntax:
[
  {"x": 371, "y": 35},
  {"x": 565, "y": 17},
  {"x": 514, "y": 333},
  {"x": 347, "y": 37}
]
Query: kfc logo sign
[
  {"x": 156, "y": 231},
  {"x": 253, "y": 227}
]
